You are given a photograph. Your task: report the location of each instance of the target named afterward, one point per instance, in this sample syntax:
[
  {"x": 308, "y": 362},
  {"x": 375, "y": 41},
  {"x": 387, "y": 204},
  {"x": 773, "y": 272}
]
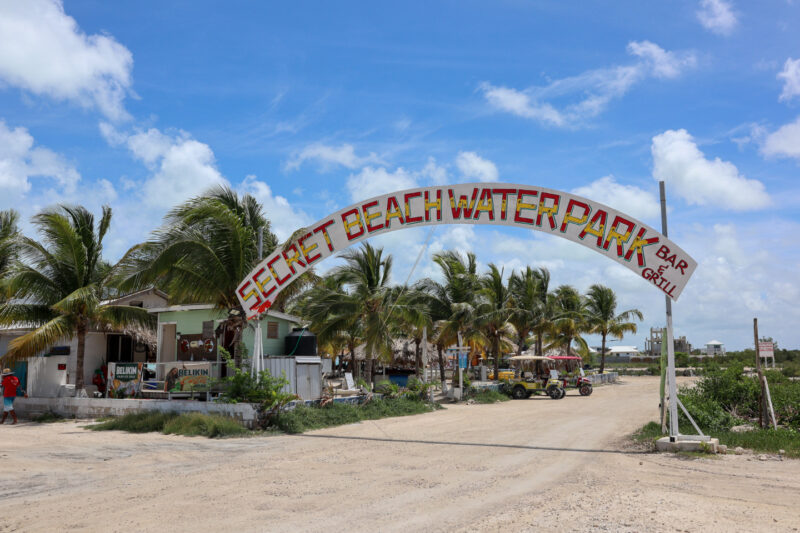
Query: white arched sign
[{"x": 616, "y": 235}]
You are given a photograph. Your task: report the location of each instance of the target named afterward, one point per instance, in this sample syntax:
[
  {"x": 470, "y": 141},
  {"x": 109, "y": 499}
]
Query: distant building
[
  {"x": 652, "y": 346},
  {"x": 624, "y": 351},
  {"x": 714, "y": 348}
]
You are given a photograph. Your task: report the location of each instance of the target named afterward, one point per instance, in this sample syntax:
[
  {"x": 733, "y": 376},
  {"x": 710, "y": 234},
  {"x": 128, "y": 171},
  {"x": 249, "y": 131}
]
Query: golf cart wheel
[
  {"x": 563, "y": 392},
  {"x": 586, "y": 389},
  {"x": 519, "y": 392},
  {"x": 554, "y": 393}
]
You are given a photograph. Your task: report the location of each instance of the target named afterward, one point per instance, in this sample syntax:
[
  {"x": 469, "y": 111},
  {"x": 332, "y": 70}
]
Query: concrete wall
[{"x": 86, "y": 408}]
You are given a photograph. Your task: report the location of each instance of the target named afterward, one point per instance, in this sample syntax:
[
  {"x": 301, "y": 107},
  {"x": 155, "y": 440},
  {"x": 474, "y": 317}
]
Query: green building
[{"x": 189, "y": 332}]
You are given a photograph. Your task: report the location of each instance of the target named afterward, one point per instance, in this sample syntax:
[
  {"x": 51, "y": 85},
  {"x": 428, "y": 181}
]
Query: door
[{"x": 309, "y": 381}]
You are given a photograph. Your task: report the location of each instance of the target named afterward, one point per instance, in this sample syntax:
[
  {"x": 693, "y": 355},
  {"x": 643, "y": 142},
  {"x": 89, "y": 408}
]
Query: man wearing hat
[{"x": 10, "y": 383}]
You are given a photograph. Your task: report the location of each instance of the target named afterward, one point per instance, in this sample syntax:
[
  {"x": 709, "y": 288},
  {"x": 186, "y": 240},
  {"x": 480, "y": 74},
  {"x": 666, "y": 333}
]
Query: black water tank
[{"x": 300, "y": 342}]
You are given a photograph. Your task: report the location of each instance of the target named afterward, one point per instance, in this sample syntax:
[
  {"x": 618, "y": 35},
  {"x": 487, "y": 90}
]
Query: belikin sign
[{"x": 620, "y": 237}]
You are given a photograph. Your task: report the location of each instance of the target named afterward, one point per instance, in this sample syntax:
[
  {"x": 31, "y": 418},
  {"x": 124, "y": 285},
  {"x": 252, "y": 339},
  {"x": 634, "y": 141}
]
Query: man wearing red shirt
[{"x": 10, "y": 383}]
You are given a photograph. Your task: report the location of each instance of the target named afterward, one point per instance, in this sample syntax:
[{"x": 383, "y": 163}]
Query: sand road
[{"x": 517, "y": 466}]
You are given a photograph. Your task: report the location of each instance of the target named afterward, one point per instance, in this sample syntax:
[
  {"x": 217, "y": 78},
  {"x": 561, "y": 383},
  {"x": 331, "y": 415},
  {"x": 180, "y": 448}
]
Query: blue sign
[{"x": 462, "y": 360}]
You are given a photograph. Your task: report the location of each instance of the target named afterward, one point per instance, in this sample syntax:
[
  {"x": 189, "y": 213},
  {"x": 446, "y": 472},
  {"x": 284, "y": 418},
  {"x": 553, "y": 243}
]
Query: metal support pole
[
  {"x": 673, "y": 389},
  {"x": 260, "y": 243}
]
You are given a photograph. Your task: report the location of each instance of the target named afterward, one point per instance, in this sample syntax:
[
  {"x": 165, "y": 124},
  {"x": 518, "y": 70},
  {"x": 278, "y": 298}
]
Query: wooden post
[{"x": 762, "y": 413}]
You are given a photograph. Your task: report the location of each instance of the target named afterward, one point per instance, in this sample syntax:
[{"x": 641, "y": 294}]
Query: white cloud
[
  {"x": 473, "y": 166},
  {"x": 328, "y": 156},
  {"x": 700, "y": 181},
  {"x": 588, "y": 94},
  {"x": 182, "y": 167},
  {"x": 717, "y": 16},
  {"x": 43, "y": 51},
  {"x": 791, "y": 79},
  {"x": 20, "y": 161},
  {"x": 662, "y": 63},
  {"x": 371, "y": 182},
  {"x": 785, "y": 142},
  {"x": 284, "y": 218},
  {"x": 625, "y": 198},
  {"x": 437, "y": 174}
]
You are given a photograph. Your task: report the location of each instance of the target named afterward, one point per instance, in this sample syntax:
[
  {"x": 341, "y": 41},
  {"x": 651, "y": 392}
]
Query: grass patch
[
  {"x": 758, "y": 440},
  {"x": 190, "y": 425},
  {"x": 763, "y": 440},
  {"x": 490, "y": 396},
  {"x": 48, "y": 417},
  {"x": 303, "y": 418},
  {"x": 198, "y": 424}
]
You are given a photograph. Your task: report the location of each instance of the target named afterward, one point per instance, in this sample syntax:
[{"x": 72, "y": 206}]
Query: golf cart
[
  {"x": 571, "y": 374},
  {"x": 531, "y": 379}
]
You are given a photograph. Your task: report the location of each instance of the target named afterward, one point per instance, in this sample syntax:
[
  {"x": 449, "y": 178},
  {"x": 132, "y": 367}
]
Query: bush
[
  {"x": 197, "y": 424},
  {"x": 707, "y": 413},
  {"x": 387, "y": 388},
  {"x": 791, "y": 369},
  {"x": 490, "y": 396},
  {"x": 303, "y": 418},
  {"x": 190, "y": 425}
]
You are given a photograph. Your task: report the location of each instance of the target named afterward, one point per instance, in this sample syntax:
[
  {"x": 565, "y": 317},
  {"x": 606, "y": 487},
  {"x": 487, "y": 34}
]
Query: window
[{"x": 272, "y": 330}]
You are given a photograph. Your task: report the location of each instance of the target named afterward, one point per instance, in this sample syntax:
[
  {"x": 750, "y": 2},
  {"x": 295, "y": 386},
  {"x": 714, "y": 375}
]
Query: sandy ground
[{"x": 517, "y": 466}]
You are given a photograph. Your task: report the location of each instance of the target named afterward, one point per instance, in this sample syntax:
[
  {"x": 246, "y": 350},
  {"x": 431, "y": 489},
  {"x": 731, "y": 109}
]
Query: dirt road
[{"x": 517, "y": 466}]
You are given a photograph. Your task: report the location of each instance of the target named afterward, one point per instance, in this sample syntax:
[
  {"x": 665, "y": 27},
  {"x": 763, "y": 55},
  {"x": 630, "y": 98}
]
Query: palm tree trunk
[
  {"x": 441, "y": 363},
  {"x": 496, "y": 351},
  {"x": 81, "y": 330},
  {"x": 353, "y": 363},
  {"x": 418, "y": 357},
  {"x": 368, "y": 370},
  {"x": 520, "y": 341},
  {"x": 603, "y": 353}
]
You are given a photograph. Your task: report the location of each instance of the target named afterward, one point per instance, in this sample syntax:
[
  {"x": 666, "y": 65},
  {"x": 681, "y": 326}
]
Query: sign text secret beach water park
[{"x": 616, "y": 235}]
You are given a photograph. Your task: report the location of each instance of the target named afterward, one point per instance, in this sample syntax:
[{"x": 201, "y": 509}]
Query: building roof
[
  {"x": 200, "y": 307},
  {"x": 712, "y": 343},
  {"x": 623, "y": 349}
]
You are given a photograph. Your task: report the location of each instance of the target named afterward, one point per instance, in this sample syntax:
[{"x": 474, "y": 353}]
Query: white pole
[
  {"x": 673, "y": 389},
  {"x": 424, "y": 354},
  {"x": 255, "y": 366}
]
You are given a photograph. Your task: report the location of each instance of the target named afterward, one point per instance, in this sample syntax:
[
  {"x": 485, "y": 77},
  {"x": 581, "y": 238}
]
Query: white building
[
  {"x": 624, "y": 351},
  {"x": 714, "y": 348}
]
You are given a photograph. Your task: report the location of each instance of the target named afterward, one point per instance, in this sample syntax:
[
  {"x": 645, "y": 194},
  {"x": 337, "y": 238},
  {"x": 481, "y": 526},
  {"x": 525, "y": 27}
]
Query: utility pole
[
  {"x": 673, "y": 388},
  {"x": 762, "y": 412}
]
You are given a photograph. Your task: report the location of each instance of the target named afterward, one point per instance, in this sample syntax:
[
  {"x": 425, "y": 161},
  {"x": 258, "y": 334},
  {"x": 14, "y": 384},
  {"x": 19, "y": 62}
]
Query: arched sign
[{"x": 614, "y": 234}]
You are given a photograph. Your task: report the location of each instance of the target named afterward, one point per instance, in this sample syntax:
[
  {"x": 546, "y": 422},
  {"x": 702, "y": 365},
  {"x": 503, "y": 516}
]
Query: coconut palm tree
[
  {"x": 205, "y": 248},
  {"x": 317, "y": 305},
  {"x": 58, "y": 285},
  {"x": 543, "y": 311},
  {"x": 570, "y": 319},
  {"x": 524, "y": 288},
  {"x": 365, "y": 303},
  {"x": 494, "y": 311},
  {"x": 8, "y": 238},
  {"x": 412, "y": 318},
  {"x": 603, "y": 319}
]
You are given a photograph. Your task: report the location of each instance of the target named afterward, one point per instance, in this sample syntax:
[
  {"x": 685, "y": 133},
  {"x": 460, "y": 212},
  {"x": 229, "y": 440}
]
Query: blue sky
[{"x": 312, "y": 106}]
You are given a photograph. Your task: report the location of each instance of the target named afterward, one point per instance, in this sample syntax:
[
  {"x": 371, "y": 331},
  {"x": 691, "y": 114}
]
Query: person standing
[{"x": 10, "y": 384}]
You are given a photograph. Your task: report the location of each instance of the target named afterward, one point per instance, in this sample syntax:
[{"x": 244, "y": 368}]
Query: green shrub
[
  {"x": 198, "y": 424},
  {"x": 490, "y": 396},
  {"x": 387, "y": 388},
  {"x": 791, "y": 369},
  {"x": 190, "y": 425},
  {"x": 304, "y": 418},
  {"x": 707, "y": 413},
  {"x": 145, "y": 422}
]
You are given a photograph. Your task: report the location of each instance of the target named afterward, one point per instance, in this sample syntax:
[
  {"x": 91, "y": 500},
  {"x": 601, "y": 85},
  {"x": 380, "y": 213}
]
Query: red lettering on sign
[
  {"x": 550, "y": 211},
  {"x": 522, "y": 205},
  {"x": 355, "y": 222},
  {"x": 271, "y": 262},
  {"x": 430, "y": 205},
  {"x": 504, "y": 201},
  {"x": 393, "y": 211},
  {"x": 638, "y": 245},
  {"x": 369, "y": 217},
  {"x": 570, "y": 219},
  {"x": 322, "y": 228},
  {"x": 308, "y": 250},
  {"x": 294, "y": 258},
  {"x": 463, "y": 204},
  {"x": 485, "y": 204},
  {"x": 408, "y": 196}
]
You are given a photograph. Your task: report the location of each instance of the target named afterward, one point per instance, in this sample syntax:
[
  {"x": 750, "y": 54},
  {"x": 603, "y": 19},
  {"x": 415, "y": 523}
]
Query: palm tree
[
  {"x": 543, "y": 310},
  {"x": 412, "y": 318},
  {"x": 317, "y": 305},
  {"x": 494, "y": 311},
  {"x": 58, "y": 285},
  {"x": 524, "y": 288},
  {"x": 201, "y": 254},
  {"x": 570, "y": 319},
  {"x": 601, "y": 304},
  {"x": 455, "y": 301},
  {"x": 365, "y": 304},
  {"x": 8, "y": 238}
]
